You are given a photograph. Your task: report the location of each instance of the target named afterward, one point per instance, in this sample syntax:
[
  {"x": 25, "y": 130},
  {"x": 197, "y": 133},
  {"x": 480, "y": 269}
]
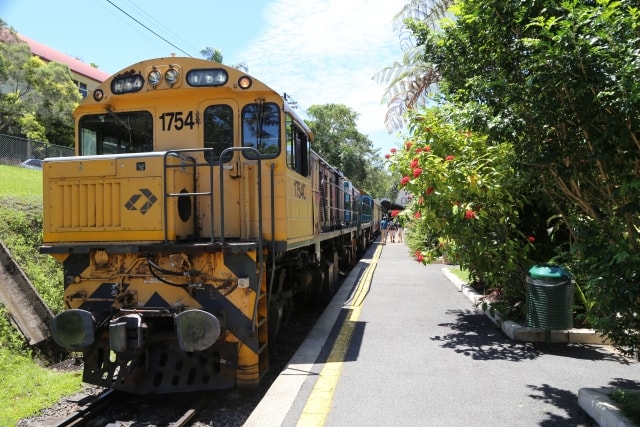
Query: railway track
[
  {"x": 113, "y": 408},
  {"x": 91, "y": 410}
]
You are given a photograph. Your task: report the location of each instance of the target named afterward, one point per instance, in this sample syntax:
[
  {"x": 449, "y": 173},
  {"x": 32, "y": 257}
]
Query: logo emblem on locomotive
[{"x": 147, "y": 199}]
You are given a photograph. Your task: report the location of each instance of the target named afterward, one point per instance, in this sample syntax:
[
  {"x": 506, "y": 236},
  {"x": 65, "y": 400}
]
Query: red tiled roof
[{"x": 75, "y": 65}]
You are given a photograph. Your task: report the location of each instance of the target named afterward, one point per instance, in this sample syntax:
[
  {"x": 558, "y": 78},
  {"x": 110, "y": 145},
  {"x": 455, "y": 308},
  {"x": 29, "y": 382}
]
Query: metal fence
[{"x": 14, "y": 150}]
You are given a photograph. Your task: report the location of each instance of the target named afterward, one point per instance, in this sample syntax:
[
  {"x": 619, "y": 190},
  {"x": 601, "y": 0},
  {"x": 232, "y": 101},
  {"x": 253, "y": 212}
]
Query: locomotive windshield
[
  {"x": 112, "y": 133},
  {"x": 261, "y": 128}
]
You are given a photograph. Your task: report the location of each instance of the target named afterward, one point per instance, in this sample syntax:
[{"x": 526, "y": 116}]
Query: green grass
[
  {"x": 27, "y": 387},
  {"x": 20, "y": 182},
  {"x": 460, "y": 274},
  {"x": 629, "y": 401}
]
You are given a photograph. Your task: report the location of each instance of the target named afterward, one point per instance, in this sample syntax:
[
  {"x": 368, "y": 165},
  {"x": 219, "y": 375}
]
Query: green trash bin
[{"x": 549, "y": 298}]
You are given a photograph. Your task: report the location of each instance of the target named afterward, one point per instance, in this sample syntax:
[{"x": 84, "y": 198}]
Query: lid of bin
[{"x": 548, "y": 271}]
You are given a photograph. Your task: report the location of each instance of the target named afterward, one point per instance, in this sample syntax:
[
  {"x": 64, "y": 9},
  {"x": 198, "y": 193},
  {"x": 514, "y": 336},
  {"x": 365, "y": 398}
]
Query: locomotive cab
[{"x": 192, "y": 216}]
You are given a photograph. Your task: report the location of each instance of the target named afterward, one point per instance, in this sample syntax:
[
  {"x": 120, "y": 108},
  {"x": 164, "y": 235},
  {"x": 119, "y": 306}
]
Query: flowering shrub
[
  {"x": 560, "y": 83},
  {"x": 466, "y": 202}
]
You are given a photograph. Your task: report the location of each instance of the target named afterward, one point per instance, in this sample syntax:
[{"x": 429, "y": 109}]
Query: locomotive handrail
[
  {"x": 273, "y": 238},
  {"x": 167, "y": 194},
  {"x": 166, "y": 190},
  {"x": 195, "y": 164},
  {"x": 260, "y": 237},
  {"x": 259, "y": 163}
]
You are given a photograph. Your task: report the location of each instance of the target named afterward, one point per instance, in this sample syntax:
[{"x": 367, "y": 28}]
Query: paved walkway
[{"x": 400, "y": 345}]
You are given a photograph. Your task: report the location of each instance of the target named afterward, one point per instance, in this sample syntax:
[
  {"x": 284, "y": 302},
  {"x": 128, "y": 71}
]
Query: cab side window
[{"x": 298, "y": 150}]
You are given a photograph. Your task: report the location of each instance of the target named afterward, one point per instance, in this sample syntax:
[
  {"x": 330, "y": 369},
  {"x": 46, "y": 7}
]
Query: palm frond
[
  {"x": 408, "y": 93},
  {"x": 430, "y": 11},
  {"x": 409, "y": 83}
]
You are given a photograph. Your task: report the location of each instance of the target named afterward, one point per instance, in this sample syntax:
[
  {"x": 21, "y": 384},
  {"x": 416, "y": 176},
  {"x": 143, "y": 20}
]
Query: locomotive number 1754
[{"x": 177, "y": 120}]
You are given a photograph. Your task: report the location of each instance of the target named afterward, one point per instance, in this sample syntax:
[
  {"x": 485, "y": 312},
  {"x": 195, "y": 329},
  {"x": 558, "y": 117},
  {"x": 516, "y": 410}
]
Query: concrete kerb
[
  {"x": 518, "y": 332},
  {"x": 605, "y": 412}
]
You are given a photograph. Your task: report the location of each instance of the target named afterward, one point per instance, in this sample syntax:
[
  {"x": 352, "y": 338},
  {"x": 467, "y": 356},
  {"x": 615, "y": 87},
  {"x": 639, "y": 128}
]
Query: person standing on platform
[
  {"x": 392, "y": 231},
  {"x": 399, "y": 231},
  {"x": 384, "y": 229}
]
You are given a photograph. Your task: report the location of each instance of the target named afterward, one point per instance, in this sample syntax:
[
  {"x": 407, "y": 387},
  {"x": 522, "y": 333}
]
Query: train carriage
[{"x": 192, "y": 217}]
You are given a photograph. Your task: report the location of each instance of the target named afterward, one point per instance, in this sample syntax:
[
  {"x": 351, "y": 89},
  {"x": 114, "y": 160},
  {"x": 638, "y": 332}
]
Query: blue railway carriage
[{"x": 192, "y": 217}]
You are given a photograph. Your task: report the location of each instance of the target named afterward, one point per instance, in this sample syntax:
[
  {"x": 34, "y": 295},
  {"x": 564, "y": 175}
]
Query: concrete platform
[{"x": 400, "y": 346}]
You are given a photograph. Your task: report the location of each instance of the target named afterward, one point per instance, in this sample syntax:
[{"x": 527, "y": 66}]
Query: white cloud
[{"x": 327, "y": 52}]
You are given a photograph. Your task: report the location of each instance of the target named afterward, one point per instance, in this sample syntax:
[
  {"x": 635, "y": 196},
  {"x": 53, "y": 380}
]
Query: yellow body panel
[
  {"x": 118, "y": 198},
  {"x": 299, "y": 196}
]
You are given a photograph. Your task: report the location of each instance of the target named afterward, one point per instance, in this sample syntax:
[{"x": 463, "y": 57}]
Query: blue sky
[{"x": 319, "y": 52}]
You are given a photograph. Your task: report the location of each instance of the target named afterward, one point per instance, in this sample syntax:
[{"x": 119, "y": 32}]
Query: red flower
[
  {"x": 449, "y": 158},
  {"x": 393, "y": 150},
  {"x": 420, "y": 258},
  {"x": 387, "y": 156},
  {"x": 421, "y": 201},
  {"x": 429, "y": 191},
  {"x": 426, "y": 149},
  {"x": 394, "y": 213},
  {"x": 417, "y": 215},
  {"x": 417, "y": 172},
  {"x": 407, "y": 145},
  {"x": 469, "y": 214},
  {"x": 404, "y": 180},
  {"x": 531, "y": 239},
  {"x": 414, "y": 163}
]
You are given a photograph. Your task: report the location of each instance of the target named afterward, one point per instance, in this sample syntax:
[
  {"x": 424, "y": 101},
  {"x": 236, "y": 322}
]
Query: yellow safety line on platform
[{"x": 319, "y": 403}]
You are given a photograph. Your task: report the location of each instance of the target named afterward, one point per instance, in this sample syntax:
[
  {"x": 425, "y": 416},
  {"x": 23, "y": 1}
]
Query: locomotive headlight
[
  {"x": 73, "y": 329},
  {"x": 98, "y": 94},
  {"x": 171, "y": 76},
  {"x": 154, "y": 77},
  {"x": 197, "y": 330},
  {"x": 244, "y": 82}
]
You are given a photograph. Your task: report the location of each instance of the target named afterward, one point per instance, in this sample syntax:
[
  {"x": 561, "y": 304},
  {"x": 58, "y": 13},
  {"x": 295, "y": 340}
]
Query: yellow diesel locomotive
[{"x": 192, "y": 216}]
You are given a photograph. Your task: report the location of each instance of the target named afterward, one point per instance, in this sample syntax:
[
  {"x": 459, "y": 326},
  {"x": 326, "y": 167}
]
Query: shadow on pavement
[
  {"x": 566, "y": 401},
  {"x": 476, "y": 336}
]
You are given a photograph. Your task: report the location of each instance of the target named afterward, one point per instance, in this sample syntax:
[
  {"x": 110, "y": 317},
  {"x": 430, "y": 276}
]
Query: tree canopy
[
  {"x": 36, "y": 98},
  {"x": 339, "y": 142},
  {"x": 214, "y": 54}
]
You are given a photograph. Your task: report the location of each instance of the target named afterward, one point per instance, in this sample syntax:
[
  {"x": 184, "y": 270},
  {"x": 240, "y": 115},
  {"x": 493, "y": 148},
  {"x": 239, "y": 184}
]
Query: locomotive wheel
[
  {"x": 348, "y": 257},
  {"x": 280, "y": 306}
]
